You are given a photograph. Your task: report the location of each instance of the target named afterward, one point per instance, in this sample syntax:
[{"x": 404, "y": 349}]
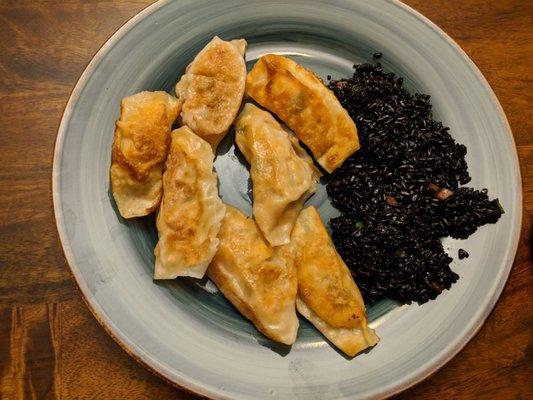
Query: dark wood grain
[{"x": 51, "y": 347}]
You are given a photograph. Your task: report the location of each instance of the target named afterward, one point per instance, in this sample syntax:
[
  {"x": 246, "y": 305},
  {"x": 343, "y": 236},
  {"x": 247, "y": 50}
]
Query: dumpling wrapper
[
  {"x": 212, "y": 89},
  {"x": 191, "y": 211},
  {"x": 283, "y": 174},
  {"x": 258, "y": 279},
  {"x": 306, "y": 106},
  {"x": 327, "y": 294},
  {"x": 140, "y": 148}
]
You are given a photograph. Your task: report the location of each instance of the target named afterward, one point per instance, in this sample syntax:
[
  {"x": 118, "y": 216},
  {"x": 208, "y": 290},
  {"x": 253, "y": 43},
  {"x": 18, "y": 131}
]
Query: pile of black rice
[{"x": 401, "y": 192}]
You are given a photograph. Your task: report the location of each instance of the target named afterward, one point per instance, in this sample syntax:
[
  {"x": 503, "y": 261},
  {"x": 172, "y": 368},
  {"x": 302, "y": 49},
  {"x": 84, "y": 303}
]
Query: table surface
[{"x": 50, "y": 344}]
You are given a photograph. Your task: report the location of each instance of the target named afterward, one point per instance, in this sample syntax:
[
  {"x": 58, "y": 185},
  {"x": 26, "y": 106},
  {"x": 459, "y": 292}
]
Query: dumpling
[
  {"x": 212, "y": 88},
  {"x": 283, "y": 175},
  {"x": 191, "y": 211},
  {"x": 258, "y": 279},
  {"x": 327, "y": 294},
  {"x": 307, "y": 106},
  {"x": 140, "y": 148}
]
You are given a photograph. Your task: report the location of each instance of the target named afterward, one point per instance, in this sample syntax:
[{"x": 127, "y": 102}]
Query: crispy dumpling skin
[
  {"x": 140, "y": 147},
  {"x": 191, "y": 211},
  {"x": 327, "y": 294},
  {"x": 212, "y": 88},
  {"x": 283, "y": 174},
  {"x": 258, "y": 279},
  {"x": 306, "y": 106}
]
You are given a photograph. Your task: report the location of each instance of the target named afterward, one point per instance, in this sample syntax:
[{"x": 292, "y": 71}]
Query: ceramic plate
[{"x": 186, "y": 331}]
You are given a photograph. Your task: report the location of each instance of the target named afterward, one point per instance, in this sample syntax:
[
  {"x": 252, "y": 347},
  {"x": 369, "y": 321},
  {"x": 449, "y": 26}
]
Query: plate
[{"x": 185, "y": 331}]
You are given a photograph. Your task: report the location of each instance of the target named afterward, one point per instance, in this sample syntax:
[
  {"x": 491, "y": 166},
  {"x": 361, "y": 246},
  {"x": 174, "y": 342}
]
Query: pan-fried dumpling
[
  {"x": 191, "y": 211},
  {"x": 212, "y": 88},
  {"x": 327, "y": 294},
  {"x": 307, "y": 106},
  {"x": 283, "y": 175},
  {"x": 140, "y": 148},
  {"x": 258, "y": 280}
]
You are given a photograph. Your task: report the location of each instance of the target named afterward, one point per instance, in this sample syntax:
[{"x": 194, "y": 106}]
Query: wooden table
[{"x": 50, "y": 344}]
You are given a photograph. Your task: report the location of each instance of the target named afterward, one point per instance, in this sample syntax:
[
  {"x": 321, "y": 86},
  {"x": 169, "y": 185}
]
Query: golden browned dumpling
[
  {"x": 307, "y": 106},
  {"x": 283, "y": 175},
  {"x": 212, "y": 88},
  {"x": 140, "y": 148},
  {"x": 327, "y": 294},
  {"x": 258, "y": 280},
  {"x": 191, "y": 211}
]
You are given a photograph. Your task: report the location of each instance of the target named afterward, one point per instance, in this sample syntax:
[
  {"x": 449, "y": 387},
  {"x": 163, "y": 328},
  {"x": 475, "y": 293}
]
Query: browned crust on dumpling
[
  {"x": 191, "y": 211},
  {"x": 324, "y": 282},
  {"x": 140, "y": 147},
  {"x": 305, "y": 105},
  {"x": 183, "y": 228},
  {"x": 212, "y": 88},
  {"x": 258, "y": 280},
  {"x": 282, "y": 173},
  {"x": 142, "y": 134}
]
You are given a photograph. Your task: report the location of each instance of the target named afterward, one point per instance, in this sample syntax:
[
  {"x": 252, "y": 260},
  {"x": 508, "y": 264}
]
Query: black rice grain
[
  {"x": 462, "y": 254},
  {"x": 401, "y": 192}
]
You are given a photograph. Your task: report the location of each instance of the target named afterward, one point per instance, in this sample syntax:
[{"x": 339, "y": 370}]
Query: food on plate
[
  {"x": 306, "y": 106},
  {"x": 327, "y": 294},
  {"x": 401, "y": 193},
  {"x": 140, "y": 147},
  {"x": 191, "y": 212},
  {"x": 212, "y": 88},
  {"x": 258, "y": 280},
  {"x": 283, "y": 174}
]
